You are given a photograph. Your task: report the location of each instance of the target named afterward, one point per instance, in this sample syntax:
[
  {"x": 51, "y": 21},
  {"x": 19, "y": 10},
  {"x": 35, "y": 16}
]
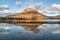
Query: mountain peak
[{"x": 29, "y": 10}]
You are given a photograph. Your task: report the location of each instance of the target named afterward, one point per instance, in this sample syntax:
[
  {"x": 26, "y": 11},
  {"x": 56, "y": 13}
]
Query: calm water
[{"x": 43, "y": 32}]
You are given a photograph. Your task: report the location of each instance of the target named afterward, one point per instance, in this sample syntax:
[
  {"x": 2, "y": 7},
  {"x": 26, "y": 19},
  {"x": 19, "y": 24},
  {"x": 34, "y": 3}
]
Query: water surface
[{"x": 43, "y": 32}]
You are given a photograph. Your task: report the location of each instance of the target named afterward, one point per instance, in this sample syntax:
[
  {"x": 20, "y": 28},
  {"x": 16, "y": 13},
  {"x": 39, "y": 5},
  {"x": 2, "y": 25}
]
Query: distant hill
[
  {"x": 29, "y": 13},
  {"x": 56, "y": 16}
]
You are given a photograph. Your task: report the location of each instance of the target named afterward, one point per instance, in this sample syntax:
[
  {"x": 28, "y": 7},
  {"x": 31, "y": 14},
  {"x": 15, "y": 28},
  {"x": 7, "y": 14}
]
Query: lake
[{"x": 42, "y": 32}]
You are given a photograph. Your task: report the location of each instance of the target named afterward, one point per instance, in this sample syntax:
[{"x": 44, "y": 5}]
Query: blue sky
[{"x": 16, "y": 6}]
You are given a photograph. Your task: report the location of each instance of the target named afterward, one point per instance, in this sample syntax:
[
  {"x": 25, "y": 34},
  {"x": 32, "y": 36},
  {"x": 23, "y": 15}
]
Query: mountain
[{"x": 29, "y": 13}]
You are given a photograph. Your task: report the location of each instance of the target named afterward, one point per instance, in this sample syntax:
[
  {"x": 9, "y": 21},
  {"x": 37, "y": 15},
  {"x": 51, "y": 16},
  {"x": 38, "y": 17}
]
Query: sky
[{"x": 47, "y": 7}]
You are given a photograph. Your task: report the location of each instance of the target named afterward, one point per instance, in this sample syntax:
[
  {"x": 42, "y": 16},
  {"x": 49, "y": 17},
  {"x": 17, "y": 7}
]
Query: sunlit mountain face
[{"x": 29, "y": 13}]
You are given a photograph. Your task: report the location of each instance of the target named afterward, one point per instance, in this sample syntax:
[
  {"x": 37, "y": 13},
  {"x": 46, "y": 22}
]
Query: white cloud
[
  {"x": 56, "y": 31},
  {"x": 4, "y": 6},
  {"x": 56, "y": 6},
  {"x": 29, "y": 3},
  {"x": 39, "y": 6},
  {"x": 5, "y": 11},
  {"x": 18, "y": 3},
  {"x": 49, "y": 11}
]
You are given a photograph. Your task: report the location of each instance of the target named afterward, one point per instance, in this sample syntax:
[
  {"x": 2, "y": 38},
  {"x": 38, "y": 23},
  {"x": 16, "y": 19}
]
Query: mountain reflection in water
[{"x": 42, "y": 32}]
